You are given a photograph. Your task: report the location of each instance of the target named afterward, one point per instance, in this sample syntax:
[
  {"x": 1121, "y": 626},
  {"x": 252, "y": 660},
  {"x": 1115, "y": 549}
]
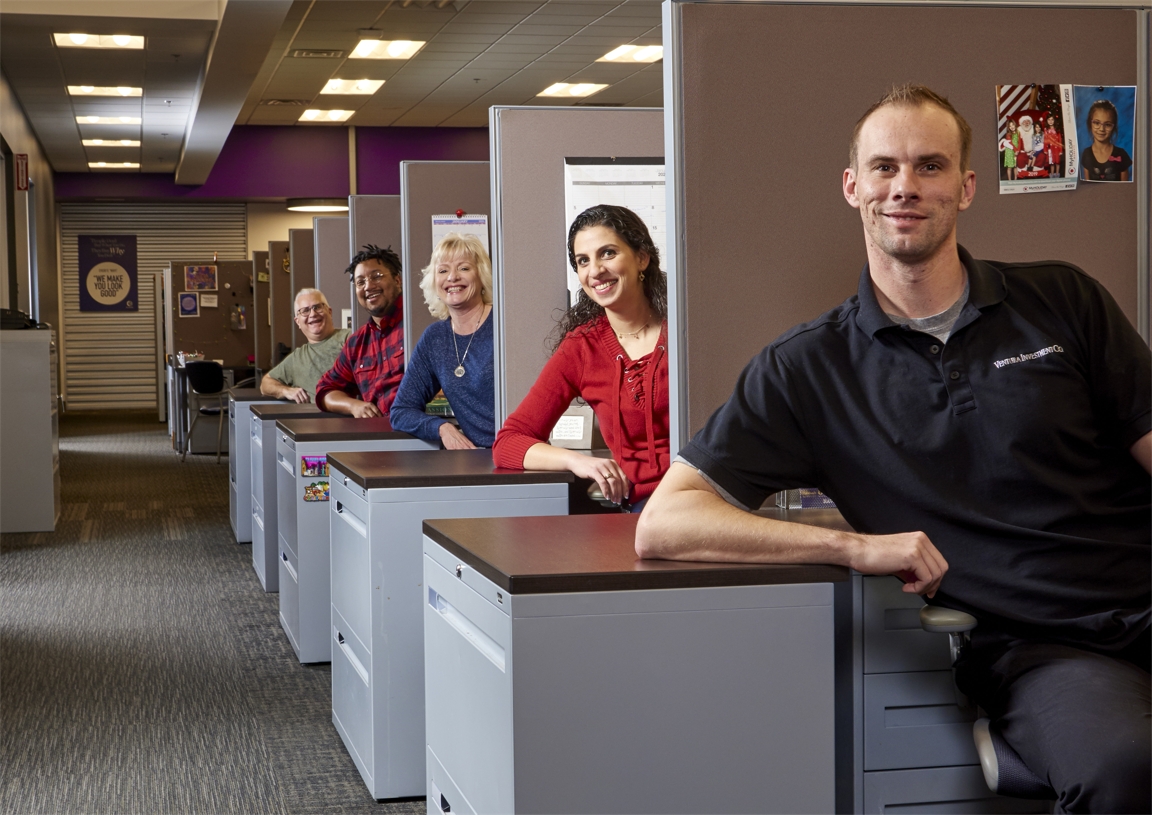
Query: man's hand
[
  {"x": 453, "y": 439},
  {"x": 298, "y": 395},
  {"x": 908, "y": 555},
  {"x": 277, "y": 389},
  {"x": 365, "y": 410}
]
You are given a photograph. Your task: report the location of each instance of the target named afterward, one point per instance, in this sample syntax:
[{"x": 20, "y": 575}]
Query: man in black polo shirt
[{"x": 986, "y": 429}]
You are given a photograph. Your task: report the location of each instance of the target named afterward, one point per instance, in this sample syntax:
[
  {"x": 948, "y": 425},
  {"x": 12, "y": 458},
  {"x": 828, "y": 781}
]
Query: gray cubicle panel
[
  {"x": 301, "y": 265},
  {"x": 281, "y": 294},
  {"x": 261, "y": 312},
  {"x": 223, "y": 331},
  {"x": 330, "y": 236},
  {"x": 430, "y": 188},
  {"x": 764, "y": 239},
  {"x": 373, "y": 219},
  {"x": 529, "y": 235}
]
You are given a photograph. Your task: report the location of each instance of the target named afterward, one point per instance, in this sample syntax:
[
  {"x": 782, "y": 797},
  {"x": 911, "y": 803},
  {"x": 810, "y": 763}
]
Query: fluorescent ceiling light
[
  {"x": 78, "y": 40},
  {"x": 114, "y": 165},
  {"x": 97, "y": 90},
  {"x": 318, "y": 116},
  {"x": 562, "y": 89},
  {"x": 353, "y": 87},
  {"x": 386, "y": 49},
  {"x": 318, "y": 205},
  {"x": 108, "y": 120},
  {"x": 111, "y": 142},
  {"x": 634, "y": 53}
]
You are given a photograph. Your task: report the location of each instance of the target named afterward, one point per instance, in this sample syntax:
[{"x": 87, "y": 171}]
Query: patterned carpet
[{"x": 142, "y": 669}]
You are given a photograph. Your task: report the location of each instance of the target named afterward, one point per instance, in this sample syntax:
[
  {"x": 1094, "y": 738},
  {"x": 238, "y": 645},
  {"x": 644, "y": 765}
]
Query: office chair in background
[
  {"x": 1005, "y": 772},
  {"x": 206, "y": 395}
]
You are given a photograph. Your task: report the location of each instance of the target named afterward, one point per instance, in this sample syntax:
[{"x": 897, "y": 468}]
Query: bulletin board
[
  {"x": 430, "y": 188},
  {"x": 529, "y": 145},
  {"x": 373, "y": 219},
  {"x": 331, "y": 259},
  {"x": 216, "y": 331},
  {"x": 261, "y": 328},
  {"x": 764, "y": 237},
  {"x": 301, "y": 271},
  {"x": 280, "y": 291}
]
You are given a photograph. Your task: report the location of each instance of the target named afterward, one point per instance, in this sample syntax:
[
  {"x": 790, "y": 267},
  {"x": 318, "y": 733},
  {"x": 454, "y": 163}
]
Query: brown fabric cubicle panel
[
  {"x": 435, "y": 188},
  {"x": 331, "y": 259},
  {"x": 301, "y": 264},
  {"x": 261, "y": 303},
  {"x": 374, "y": 219},
  {"x": 211, "y": 333},
  {"x": 281, "y": 294},
  {"x": 530, "y": 146},
  {"x": 770, "y": 96}
]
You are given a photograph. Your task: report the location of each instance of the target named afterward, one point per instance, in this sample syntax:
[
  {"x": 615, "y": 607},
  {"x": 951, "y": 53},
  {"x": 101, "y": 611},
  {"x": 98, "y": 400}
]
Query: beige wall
[
  {"x": 17, "y": 132},
  {"x": 271, "y": 222}
]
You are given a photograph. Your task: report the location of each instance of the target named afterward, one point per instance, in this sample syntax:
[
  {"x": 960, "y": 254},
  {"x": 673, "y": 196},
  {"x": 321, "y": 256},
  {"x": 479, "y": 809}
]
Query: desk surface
[
  {"x": 291, "y": 410},
  {"x": 586, "y": 553},
  {"x": 343, "y": 428},
  {"x": 248, "y": 395},
  {"x": 434, "y": 468}
]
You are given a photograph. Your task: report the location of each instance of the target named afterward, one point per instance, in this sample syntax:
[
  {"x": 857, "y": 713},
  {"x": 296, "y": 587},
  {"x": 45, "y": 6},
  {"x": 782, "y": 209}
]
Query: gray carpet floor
[{"x": 142, "y": 668}]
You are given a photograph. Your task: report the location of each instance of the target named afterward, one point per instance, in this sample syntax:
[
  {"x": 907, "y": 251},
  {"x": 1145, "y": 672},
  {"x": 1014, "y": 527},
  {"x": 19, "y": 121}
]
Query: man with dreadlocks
[{"x": 364, "y": 378}]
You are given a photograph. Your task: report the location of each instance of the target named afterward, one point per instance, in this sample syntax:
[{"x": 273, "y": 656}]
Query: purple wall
[{"x": 270, "y": 163}]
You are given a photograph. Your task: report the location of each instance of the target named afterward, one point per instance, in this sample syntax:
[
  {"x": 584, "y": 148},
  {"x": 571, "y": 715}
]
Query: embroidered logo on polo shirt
[{"x": 1043, "y": 352}]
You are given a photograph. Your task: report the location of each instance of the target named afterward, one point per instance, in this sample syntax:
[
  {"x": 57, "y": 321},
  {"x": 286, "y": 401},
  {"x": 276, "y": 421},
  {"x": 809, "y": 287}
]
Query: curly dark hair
[
  {"x": 371, "y": 251},
  {"x": 627, "y": 224}
]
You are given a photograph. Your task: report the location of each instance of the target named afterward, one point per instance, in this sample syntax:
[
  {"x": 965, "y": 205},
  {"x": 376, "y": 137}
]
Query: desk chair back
[
  {"x": 205, "y": 377},
  {"x": 206, "y": 383}
]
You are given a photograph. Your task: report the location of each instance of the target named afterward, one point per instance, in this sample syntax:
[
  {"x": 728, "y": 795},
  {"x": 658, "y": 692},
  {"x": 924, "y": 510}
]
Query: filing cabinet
[
  {"x": 240, "y": 460},
  {"x": 302, "y": 522}
]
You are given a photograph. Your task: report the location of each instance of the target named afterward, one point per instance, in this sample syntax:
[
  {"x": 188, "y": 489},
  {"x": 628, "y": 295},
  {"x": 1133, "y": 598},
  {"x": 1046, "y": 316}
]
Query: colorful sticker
[
  {"x": 315, "y": 466},
  {"x": 316, "y": 491}
]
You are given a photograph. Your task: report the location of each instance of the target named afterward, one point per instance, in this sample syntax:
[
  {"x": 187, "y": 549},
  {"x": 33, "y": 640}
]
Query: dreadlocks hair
[
  {"x": 627, "y": 224},
  {"x": 371, "y": 251}
]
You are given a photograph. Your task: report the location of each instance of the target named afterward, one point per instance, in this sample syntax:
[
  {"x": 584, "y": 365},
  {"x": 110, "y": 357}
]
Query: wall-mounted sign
[
  {"x": 21, "y": 172},
  {"x": 107, "y": 272}
]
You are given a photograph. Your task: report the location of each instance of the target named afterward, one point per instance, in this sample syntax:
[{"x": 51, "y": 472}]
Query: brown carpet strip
[{"x": 142, "y": 669}]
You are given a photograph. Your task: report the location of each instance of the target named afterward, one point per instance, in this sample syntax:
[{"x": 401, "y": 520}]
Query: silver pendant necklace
[{"x": 460, "y": 360}]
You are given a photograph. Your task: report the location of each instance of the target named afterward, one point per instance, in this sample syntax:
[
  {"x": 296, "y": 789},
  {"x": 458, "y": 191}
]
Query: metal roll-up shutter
[{"x": 110, "y": 357}]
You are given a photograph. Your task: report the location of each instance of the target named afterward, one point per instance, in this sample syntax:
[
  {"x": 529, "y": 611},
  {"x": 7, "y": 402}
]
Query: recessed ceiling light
[
  {"x": 353, "y": 87},
  {"x": 111, "y": 142},
  {"x": 313, "y": 115},
  {"x": 634, "y": 53},
  {"x": 317, "y": 205},
  {"x": 114, "y": 165},
  {"x": 108, "y": 120},
  {"x": 386, "y": 49},
  {"x": 562, "y": 89},
  {"x": 77, "y": 40},
  {"x": 97, "y": 90}
]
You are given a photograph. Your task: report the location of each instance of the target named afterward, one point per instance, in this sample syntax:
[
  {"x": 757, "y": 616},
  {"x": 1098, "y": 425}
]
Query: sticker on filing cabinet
[
  {"x": 315, "y": 466},
  {"x": 316, "y": 491}
]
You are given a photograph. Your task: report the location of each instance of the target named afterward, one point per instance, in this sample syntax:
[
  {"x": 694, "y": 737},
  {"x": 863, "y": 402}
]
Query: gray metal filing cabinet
[
  {"x": 302, "y": 522},
  {"x": 564, "y": 674},
  {"x": 240, "y": 459},
  {"x": 379, "y": 501},
  {"x": 262, "y": 442},
  {"x": 915, "y": 751}
]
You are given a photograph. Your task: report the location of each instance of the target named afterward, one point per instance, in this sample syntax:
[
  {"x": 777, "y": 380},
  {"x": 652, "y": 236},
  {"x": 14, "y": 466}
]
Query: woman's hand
[
  {"x": 453, "y": 439},
  {"x": 605, "y": 472}
]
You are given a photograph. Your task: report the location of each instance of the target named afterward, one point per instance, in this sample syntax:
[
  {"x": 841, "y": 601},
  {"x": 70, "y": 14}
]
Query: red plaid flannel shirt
[{"x": 371, "y": 364}]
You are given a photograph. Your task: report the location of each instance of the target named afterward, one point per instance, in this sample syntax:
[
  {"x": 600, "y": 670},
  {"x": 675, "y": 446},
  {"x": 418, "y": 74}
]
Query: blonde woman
[{"x": 455, "y": 353}]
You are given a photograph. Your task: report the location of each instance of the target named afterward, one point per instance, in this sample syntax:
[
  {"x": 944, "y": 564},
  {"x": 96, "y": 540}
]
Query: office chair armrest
[{"x": 937, "y": 620}]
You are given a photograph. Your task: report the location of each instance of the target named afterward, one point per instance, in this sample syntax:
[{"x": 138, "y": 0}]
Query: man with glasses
[
  {"x": 296, "y": 377},
  {"x": 363, "y": 380}
]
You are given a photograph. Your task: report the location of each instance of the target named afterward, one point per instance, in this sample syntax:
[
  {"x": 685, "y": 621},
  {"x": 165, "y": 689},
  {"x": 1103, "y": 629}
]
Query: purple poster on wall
[{"x": 108, "y": 273}]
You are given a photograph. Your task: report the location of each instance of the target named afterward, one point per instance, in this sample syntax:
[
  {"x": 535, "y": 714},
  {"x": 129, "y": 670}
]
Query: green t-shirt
[{"x": 304, "y": 366}]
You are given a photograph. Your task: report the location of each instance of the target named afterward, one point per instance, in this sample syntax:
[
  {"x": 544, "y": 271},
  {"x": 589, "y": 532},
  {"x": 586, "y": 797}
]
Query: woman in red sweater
[{"x": 610, "y": 350}]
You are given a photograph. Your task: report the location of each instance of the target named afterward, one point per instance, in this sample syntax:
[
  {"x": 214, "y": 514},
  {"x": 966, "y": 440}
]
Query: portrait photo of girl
[{"x": 1105, "y": 124}]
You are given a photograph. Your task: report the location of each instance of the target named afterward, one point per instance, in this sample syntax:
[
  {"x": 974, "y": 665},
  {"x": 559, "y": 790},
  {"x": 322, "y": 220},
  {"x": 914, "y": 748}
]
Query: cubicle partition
[
  {"x": 372, "y": 219},
  {"x": 529, "y": 233},
  {"x": 280, "y": 294},
  {"x": 261, "y": 311},
  {"x": 430, "y": 188},
  {"x": 302, "y": 271},
  {"x": 331, "y": 259}
]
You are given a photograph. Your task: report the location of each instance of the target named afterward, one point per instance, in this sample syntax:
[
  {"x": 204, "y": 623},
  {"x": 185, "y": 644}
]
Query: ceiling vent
[
  {"x": 295, "y": 103},
  {"x": 309, "y": 53}
]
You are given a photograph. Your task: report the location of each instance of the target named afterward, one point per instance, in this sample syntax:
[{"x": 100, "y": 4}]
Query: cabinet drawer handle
[
  {"x": 350, "y": 519},
  {"x": 356, "y": 664}
]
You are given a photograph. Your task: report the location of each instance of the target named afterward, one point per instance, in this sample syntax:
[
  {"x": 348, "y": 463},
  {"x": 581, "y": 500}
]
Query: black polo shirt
[{"x": 1008, "y": 445}]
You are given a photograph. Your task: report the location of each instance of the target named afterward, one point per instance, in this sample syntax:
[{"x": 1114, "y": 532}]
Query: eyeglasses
[
  {"x": 318, "y": 308},
  {"x": 375, "y": 277}
]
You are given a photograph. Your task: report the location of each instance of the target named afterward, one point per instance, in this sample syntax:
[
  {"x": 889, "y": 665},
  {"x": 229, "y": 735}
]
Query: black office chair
[
  {"x": 206, "y": 395},
  {"x": 1005, "y": 772}
]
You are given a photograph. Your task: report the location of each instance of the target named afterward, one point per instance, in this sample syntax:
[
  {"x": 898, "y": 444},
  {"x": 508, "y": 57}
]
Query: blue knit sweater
[{"x": 430, "y": 369}]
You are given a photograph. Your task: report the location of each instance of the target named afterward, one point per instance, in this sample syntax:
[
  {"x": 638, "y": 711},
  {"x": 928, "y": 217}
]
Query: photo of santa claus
[{"x": 1034, "y": 137}]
